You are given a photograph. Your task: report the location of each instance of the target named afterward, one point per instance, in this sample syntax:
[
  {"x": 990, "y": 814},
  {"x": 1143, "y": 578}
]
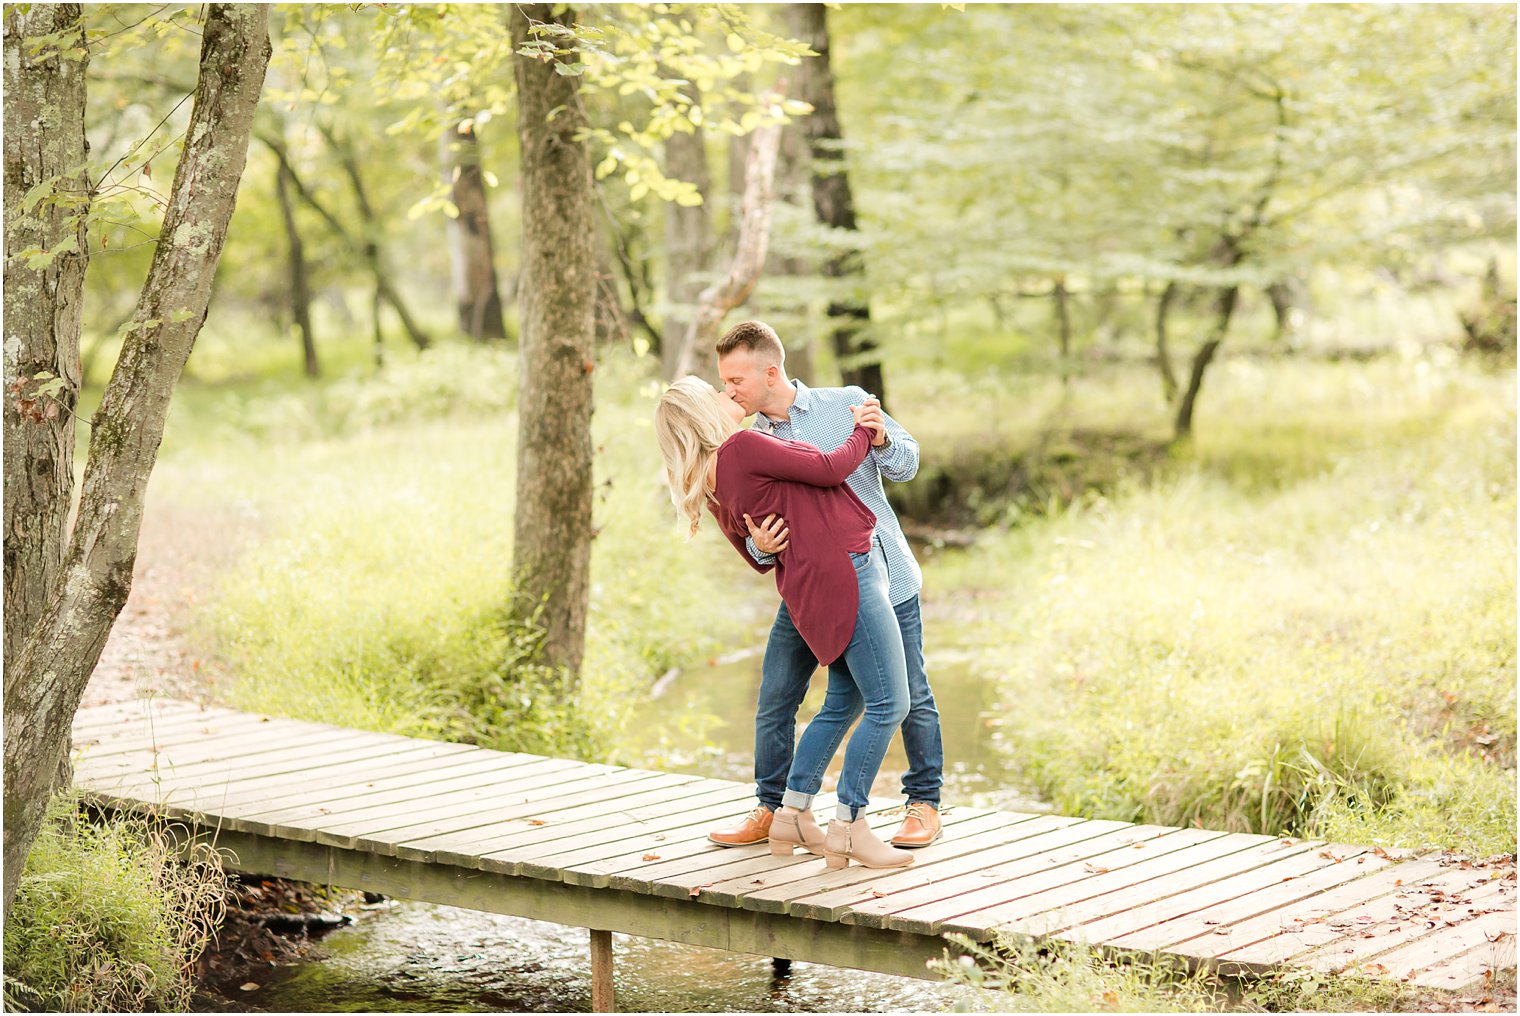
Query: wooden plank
[
  {"x": 668, "y": 837},
  {"x": 156, "y": 787},
  {"x": 676, "y": 867},
  {"x": 1264, "y": 850},
  {"x": 549, "y": 805},
  {"x": 143, "y": 729},
  {"x": 467, "y": 847},
  {"x": 1472, "y": 970},
  {"x": 965, "y": 829},
  {"x": 577, "y": 906},
  {"x": 479, "y": 783},
  {"x": 1332, "y": 938},
  {"x": 1293, "y": 866},
  {"x": 541, "y": 858},
  {"x": 1051, "y": 860},
  {"x": 214, "y": 752},
  {"x": 840, "y": 892},
  {"x": 680, "y": 843},
  {"x": 1239, "y": 923},
  {"x": 189, "y": 729},
  {"x": 1380, "y": 956},
  {"x": 413, "y": 764},
  {"x": 234, "y": 744},
  {"x": 182, "y": 725},
  {"x": 806, "y": 875},
  {"x": 995, "y": 866},
  {"x": 216, "y": 747},
  {"x": 1116, "y": 869},
  {"x": 683, "y": 879},
  {"x": 135, "y": 715},
  {"x": 611, "y": 814}
]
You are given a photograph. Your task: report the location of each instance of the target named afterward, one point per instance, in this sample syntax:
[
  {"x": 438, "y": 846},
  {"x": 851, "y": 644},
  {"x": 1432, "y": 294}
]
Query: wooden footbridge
[{"x": 624, "y": 850}]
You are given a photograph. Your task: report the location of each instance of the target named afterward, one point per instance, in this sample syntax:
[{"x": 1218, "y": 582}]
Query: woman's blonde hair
[{"x": 690, "y": 426}]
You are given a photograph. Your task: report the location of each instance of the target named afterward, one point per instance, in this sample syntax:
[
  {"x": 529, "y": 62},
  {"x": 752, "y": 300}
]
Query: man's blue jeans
[{"x": 789, "y": 666}]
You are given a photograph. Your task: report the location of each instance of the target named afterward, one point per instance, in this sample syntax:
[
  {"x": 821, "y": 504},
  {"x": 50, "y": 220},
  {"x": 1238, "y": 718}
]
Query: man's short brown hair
[{"x": 755, "y": 336}]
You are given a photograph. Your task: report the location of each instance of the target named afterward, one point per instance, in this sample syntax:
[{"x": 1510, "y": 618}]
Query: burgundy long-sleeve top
[{"x": 760, "y": 475}]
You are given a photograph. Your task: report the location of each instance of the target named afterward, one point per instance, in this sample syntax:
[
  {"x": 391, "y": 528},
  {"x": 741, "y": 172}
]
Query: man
[{"x": 751, "y": 364}]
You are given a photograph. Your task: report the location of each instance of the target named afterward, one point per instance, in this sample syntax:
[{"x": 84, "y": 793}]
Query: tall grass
[
  {"x": 1314, "y": 638},
  {"x": 377, "y": 595},
  {"x": 108, "y": 916}
]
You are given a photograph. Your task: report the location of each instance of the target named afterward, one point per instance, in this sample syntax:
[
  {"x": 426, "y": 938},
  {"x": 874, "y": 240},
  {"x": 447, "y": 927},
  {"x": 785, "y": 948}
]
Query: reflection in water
[{"x": 415, "y": 957}]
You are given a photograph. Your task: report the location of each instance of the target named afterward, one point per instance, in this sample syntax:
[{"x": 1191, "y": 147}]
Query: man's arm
[
  {"x": 898, "y": 460},
  {"x": 759, "y": 556},
  {"x": 897, "y": 457}
]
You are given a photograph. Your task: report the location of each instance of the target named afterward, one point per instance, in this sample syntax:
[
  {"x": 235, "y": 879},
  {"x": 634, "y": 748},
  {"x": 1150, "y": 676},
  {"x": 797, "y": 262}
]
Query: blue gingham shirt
[{"x": 822, "y": 418}]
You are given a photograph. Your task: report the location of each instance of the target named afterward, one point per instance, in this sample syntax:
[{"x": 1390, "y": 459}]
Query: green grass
[
  {"x": 1300, "y": 621},
  {"x": 1316, "y": 638},
  {"x": 106, "y": 918},
  {"x": 375, "y": 594}
]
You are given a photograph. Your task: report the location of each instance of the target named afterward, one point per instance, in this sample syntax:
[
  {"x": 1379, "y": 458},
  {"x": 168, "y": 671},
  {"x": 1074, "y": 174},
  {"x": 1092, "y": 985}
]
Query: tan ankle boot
[
  {"x": 792, "y": 828},
  {"x": 848, "y": 841},
  {"x": 755, "y": 827}
]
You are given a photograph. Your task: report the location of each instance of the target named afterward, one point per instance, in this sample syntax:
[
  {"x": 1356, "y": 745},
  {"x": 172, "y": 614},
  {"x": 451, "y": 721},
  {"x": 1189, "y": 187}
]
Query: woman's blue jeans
[{"x": 874, "y": 678}]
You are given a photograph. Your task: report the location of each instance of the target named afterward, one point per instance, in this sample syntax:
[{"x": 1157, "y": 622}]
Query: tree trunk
[
  {"x": 551, "y": 545},
  {"x": 860, "y": 363},
  {"x": 688, "y": 242},
  {"x": 472, "y": 252},
  {"x": 1063, "y": 325},
  {"x": 1163, "y": 354},
  {"x": 369, "y": 247},
  {"x": 300, "y": 290},
  {"x": 43, "y": 688},
  {"x": 1225, "y": 309},
  {"x": 794, "y": 190},
  {"x": 44, "y": 138},
  {"x": 749, "y": 255}
]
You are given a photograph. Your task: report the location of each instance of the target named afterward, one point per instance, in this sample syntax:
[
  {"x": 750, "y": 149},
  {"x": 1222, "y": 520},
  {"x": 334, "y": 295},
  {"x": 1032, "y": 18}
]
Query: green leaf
[{"x": 181, "y": 314}]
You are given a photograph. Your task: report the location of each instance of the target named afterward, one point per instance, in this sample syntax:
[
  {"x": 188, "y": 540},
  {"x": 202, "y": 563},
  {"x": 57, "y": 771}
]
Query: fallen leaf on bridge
[{"x": 651, "y": 857}]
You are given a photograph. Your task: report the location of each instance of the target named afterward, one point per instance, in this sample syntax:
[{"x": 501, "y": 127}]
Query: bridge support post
[{"x": 601, "y": 972}]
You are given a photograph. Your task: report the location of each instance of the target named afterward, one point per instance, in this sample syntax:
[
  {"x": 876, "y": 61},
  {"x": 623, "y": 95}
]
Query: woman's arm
[{"x": 793, "y": 460}]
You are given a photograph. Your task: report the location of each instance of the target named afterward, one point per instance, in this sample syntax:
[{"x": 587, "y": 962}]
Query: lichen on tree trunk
[
  {"x": 54, "y": 662},
  {"x": 44, "y": 140}
]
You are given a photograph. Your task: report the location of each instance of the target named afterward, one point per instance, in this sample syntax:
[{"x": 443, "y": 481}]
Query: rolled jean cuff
[
  {"x": 796, "y": 799},
  {"x": 845, "y": 813}
]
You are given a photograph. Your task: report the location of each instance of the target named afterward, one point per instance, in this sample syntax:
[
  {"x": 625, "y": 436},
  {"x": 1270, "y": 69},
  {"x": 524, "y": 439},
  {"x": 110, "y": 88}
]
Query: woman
[{"x": 834, "y": 586}]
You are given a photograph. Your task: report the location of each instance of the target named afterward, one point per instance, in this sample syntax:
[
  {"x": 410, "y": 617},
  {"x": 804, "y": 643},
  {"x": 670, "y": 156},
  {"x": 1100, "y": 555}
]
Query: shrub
[{"x": 108, "y": 917}]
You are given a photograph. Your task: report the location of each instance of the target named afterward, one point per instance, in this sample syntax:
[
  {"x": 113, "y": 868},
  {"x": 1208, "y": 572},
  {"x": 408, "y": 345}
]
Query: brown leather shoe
[
  {"x": 921, "y": 828},
  {"x": 756, "y": 828}
]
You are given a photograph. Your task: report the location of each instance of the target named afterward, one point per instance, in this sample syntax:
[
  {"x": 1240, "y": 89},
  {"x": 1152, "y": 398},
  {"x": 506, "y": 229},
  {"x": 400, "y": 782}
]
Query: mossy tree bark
[
  {"x": 44, "y": 140},
  {"x": 551, "y": 549},
  {"x": 57, "y": 655}
]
